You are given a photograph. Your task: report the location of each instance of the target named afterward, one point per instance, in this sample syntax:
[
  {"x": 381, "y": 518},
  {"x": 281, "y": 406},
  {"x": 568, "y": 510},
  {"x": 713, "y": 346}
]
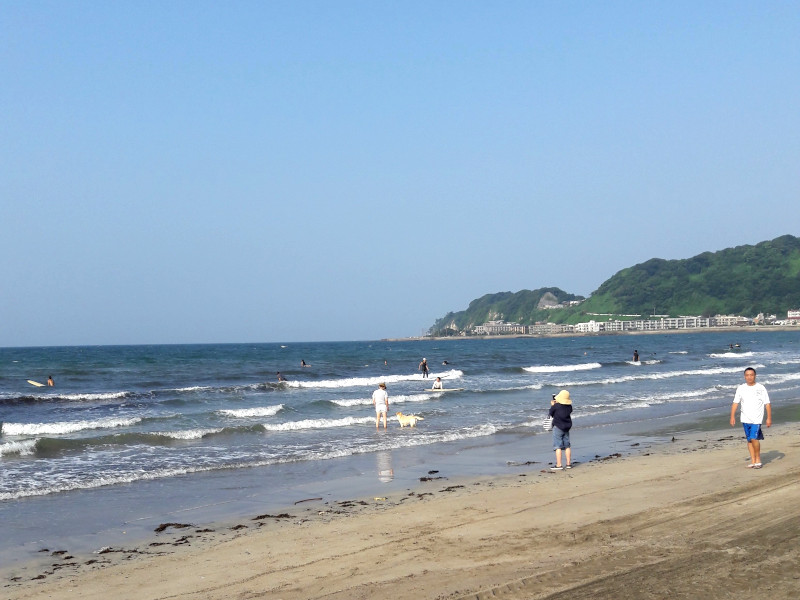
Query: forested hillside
[
  {"x": 525, "y": 306},
  {"x": 745, "y": 280}
]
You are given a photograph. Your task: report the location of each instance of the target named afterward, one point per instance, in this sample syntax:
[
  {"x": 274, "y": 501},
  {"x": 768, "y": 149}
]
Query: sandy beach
[{"x": 684, "y": 519}]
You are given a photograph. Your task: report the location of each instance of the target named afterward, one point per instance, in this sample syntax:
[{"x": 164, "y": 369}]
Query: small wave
[
  {"x": 392, "y": 400},
  {"x": 268, "y": 386},
  {"x": 23, "y": 448},
  {"x": 98, "y": 396},
  {"x": 778, "y": 378},
  {"x": 684, "y": 394},
  {"x": 665, "y": 375},
  {"x": 243, "y": 413},
  {"x": 412, "y": 438},
  {"x": 792, "y": 361},
  {"x": 562, "y": 369},
  {"x": 370, "y": 381},
  {"x": 99, "y": 482},
  {"x": 64, "y": 427},
  {"x": 678, "y": 352},
  {"x": 31, "y": 398},
  {"x": 191, "y": 388},
  {"x": 318, "y": 423},
  {"x": 731, "y": 355},
  {"x": 653, "y": 361},
  {"x": 189, "y": 434}
]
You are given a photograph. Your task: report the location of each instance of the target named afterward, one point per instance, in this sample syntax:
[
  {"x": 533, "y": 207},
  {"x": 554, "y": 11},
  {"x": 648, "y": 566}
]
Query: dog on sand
[{"x": 410, "y": 420}]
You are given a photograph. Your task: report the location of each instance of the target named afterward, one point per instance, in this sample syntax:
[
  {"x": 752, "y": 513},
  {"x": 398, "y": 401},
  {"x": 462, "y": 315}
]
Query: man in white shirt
[
  {"x": 380, "y": 399},
  {"x": 753, "y": 399}
]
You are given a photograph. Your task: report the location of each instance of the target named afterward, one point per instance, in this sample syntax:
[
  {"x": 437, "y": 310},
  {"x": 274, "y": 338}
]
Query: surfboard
[
  {"x": 36, "y": 383},
  {"x": 446, "y": 390}
]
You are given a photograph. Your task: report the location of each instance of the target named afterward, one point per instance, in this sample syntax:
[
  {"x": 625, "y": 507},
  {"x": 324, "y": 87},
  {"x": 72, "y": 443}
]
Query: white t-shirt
[
  {"x": 752, "y": 399},
  {"x": 380, "y": 397}
]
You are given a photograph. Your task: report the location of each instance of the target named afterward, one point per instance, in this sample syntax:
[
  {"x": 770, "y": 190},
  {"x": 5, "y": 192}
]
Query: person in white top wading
[
  {"x": 380, "y": 399},
  {"x": 754, "y": 400}
]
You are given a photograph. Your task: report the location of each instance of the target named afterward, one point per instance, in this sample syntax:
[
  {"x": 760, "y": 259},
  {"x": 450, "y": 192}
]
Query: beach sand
[{"x": 683, "y": 519}]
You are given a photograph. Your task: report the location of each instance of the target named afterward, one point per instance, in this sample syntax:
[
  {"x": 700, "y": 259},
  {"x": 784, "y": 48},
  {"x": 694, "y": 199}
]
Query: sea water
[{"x": 150, "y": 427}]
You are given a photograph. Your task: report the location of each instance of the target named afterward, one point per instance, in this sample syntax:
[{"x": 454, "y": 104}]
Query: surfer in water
[
  {"x": 280, "y": 377},
  {"x": 438, "y": 384},
  {"x": 50, "y": 382},
  {"x": 423, "y": 366},
  {"x": 635, "y": 356},
  {"x": 303, "y": 363}
]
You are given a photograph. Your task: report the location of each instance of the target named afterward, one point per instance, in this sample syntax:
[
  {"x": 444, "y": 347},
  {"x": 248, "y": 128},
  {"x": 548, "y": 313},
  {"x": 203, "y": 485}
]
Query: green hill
[
  {"x": 524, "y": 307},
  {"x": 745, "y": 280}
]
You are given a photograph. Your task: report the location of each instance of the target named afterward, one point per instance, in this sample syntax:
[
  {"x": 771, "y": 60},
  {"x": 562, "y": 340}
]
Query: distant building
[
  {"x": 654, "y": 323},
  {"x": 499, "y": 328},
  {"x": 793, "y": 315},
  {"x": 590, "y": 327},
  {"x": 549, "y": 329}
]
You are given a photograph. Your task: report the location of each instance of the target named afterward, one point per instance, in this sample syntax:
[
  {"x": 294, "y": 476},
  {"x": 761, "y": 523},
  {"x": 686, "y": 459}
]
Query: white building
[
  {"x": 499, "y": 328},
  {"x": 590, "y": 327}
]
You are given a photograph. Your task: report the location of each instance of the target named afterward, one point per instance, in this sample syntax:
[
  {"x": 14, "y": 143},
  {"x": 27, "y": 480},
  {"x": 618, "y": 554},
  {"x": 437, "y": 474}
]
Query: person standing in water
[
  {"x": 380, "y": 400},
  {"x": 635, "y": 356},
  {"x": 561, "y": 411},
  {"x": 423, "y": 366},
  {"x": 50, "y": 382}
]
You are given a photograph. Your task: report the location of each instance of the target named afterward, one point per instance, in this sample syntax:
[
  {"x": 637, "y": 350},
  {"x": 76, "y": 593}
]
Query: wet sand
[{"x": 685, "y": 519}]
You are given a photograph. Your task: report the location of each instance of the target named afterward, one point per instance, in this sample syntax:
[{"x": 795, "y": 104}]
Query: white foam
[
  {"x": 412, "y": 438},
  {"x": 193, "y": 388},
  {"x": 392, "y": 400},
  {"x": 731, "y": 355},
  {"x": 102, "y": 396},
  {"x": 562, "y": 369},
  {"x": 243, "y": 413},
  {"x": 64, "y": 427},
  {"x": 189, "y": 434},
  {"x": 654, "y": 376},
  {"x": 685, "y": 394},
  {"x": 98, "y": 482},
  {"x": 781, "y": 378},
  {"x": 371, "y": 381},
  {"x": 317, "y": 423},
  {"x": 23, "y": 448}
]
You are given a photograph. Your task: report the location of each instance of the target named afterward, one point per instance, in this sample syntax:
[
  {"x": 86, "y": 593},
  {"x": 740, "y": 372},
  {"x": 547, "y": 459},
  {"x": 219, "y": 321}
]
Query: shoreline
[
  {"x": 465, "y": 536},
  {"x": 727, "y": 329}
]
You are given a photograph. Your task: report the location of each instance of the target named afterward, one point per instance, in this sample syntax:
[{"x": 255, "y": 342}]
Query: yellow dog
[{"x": 410, "y": 420}]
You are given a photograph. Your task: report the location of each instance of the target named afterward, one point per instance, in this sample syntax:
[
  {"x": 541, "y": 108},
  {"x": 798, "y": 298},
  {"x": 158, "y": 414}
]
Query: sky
[{"x": 210, "y": 172}]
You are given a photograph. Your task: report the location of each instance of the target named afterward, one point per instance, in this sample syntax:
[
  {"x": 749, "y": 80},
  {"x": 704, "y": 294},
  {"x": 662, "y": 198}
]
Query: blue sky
[{"x": 177, "y": 172}]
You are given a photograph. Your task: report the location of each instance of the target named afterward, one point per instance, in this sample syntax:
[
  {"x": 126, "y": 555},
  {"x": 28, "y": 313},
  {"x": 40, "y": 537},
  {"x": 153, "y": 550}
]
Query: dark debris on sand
[{"x": 164, "y": 526}]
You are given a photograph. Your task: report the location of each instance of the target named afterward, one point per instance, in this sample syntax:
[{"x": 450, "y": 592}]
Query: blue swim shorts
[
  {"x": 752, "y": 431},
  {"x": 560, "y": 439}
]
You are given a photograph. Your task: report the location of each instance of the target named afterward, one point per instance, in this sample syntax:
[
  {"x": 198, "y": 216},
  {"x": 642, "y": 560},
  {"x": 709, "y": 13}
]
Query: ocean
[{"x": 138, "y": 431}]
